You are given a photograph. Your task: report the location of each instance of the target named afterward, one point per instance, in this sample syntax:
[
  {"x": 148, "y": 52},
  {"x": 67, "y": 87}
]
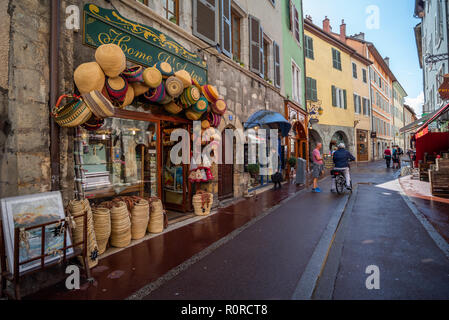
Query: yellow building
[{"x": 330, "y": 83}]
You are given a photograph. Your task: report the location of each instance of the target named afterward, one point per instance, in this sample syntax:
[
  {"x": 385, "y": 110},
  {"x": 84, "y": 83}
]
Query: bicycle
[{"x": 340, "y": 180}]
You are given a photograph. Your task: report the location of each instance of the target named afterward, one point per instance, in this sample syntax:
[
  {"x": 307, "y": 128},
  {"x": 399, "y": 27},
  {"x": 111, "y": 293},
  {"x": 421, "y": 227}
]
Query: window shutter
[
  {"x": 344, "y": 97},
  {"x": 296, "y": 24},
  {"x": 311, "y": 48},
  {"x": 334, "y": 96},
  {"x": 226, "y": 43},
  {"x": 254, "y": 42},
  {"x": 292, "y": 16},
  {"x": 205, "y": 18},
  {"x": 262, "y": 57},
  {"x": 314, "y": 90},
  {"x": 277, "y": 65},
  {"x": 355, "y": 103},
  {"x": 289, "y": 10},
  {"x": 360, "y": 104}
]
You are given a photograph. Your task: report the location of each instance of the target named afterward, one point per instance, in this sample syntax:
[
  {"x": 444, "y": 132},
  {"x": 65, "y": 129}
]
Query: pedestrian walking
[
  {"x": 387, "y": 156},
  {"x": 317, "y": 167},
  {"x": 395, "y": 158}
]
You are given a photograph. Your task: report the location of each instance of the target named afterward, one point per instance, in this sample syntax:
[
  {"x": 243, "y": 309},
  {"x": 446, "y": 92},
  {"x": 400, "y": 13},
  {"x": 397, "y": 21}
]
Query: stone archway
[
  {"x": 337, "y": 138},
  {"x": 314, "y": 139}
]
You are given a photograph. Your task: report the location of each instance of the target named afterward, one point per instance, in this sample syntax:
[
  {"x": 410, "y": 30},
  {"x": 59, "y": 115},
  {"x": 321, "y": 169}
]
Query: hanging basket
[
  {"x": 74, "y": 113},
  {"x": 202, "y": 203}
]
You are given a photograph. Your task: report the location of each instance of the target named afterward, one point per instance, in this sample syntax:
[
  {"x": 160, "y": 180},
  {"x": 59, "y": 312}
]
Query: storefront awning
[
  {"x": 270, "y": 118},
  {"x": 415, "y": 125},
  {"x": 434, "y": 116}
]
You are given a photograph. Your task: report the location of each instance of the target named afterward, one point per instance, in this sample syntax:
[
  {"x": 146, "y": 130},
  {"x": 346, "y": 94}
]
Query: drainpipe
[{"x": 54, "y": 92}]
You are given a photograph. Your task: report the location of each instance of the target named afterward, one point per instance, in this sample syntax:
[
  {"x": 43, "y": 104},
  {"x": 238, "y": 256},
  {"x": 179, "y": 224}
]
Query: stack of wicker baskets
[
  {"x": 102, "y": 226},
  {"x": 120, "y": 225},
  {"x": 202, "y": 203},
  {"x": 77, "y": 208},
  {"x": 156, "y": 222},
  {"x": 139, "y": 219}
]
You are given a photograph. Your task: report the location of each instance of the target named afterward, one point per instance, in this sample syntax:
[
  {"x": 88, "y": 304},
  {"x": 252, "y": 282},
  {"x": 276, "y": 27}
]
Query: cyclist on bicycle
[{"x": 341, "y": 158}]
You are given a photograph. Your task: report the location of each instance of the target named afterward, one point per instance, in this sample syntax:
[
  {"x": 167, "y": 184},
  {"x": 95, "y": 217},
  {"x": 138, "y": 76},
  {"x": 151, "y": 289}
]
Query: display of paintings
[{"x": 33, "y": 210}]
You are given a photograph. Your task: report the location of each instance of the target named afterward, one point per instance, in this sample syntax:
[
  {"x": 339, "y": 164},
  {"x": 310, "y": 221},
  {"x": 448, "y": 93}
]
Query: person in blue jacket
[{"x": 341, "y": 158}]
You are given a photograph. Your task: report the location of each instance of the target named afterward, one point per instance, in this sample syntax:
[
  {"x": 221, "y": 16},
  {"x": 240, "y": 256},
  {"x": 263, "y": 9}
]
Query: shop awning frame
[
  {"x": 270, "y": 118},
  {"x": 434, "y": 116}
]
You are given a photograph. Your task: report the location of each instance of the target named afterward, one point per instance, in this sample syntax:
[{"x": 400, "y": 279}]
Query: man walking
[{"x": 317, "y": 167}]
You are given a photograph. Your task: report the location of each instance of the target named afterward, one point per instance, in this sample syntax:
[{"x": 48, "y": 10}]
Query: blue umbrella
[{"x": 267, "y": 117}]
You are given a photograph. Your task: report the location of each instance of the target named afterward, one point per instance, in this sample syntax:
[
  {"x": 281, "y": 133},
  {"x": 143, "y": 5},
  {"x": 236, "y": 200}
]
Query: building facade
[
  {"x": 409, "y": 117},
  {"x": 246, "y": 67},
  {"x": 331, "y": 84},
  {"x": 397, "y": 112},
  {"x": 432, "y": 43}
]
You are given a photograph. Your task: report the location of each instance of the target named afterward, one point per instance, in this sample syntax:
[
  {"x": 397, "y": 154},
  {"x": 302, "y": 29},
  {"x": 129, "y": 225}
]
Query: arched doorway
[
  {"x": 314, "y": 139},
  {"x": 298, "y": 141},
  {"x": 337, "y": 138}
]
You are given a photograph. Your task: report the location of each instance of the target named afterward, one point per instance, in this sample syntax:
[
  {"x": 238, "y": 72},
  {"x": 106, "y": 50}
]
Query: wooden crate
[{"x": 439, "y": 183}]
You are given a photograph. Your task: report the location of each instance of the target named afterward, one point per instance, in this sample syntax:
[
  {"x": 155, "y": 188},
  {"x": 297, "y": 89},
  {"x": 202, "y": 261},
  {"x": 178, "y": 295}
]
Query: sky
[{"x": 386, "y": 23}]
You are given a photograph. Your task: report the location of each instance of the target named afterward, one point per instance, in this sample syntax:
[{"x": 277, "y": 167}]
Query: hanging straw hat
[
  {"x": 165, "y": 68},
  {"x": 88, "y": 77},
  {"x": 134, "y": 74},
  {"x": 139, "y": 88},
  {"x": 210, "y": 92},
  {"x": 201, "y": 106},
  {"x": 173, "y": 108},
  {"x": 129, "y": 98},
  {"x": 98, "y": 104},
  {"x": 174, "y": 86},
  {"x": 219, "y": 107},
  {"x": 214, "y": 120},
  {"x": 111, "y": 59},
  {"x": 185, "y": 77},
  {"x": 190, "y": 96},
  {"x": 193, "y": 115},
  {"x": 156, "y": 95},
  {"x": 196, "y": 83},
  {"x": 117, "y": 88},
  {"x": 152, "y": 77}
]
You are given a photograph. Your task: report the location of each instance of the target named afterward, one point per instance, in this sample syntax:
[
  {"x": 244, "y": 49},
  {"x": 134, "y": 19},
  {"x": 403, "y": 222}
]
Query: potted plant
[{"x": 254, "y": 170}]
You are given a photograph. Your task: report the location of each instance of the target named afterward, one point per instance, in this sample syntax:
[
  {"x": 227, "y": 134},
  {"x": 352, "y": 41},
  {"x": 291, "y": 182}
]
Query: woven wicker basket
[
  {"x": 102, "y": 226},
  {"x": 72, "y": 114},
  {"x": 156, "y": 222},
  {"x": 120, "y": 225},
  {"x": 140, "y": 216},
  {"x": 76, "y": 209},
  {"x": 202, "y": 203}
]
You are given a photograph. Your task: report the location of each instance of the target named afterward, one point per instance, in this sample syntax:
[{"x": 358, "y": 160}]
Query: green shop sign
[{"x": 142, "y": 44}]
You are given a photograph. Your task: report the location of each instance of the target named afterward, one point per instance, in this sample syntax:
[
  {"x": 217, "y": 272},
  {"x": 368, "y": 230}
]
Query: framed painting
[{"x": 32, "y": 210}]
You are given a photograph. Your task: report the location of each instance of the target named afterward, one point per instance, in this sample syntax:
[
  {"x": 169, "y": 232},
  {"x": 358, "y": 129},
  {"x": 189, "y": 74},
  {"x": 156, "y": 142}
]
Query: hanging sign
[
  {"x": 443, "y": 90},
  {"x": 141, "y": 44}
]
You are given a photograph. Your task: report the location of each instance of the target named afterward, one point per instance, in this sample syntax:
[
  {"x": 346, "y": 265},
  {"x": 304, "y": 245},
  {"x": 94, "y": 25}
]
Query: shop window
[
  {"x": 171, "y": 9},
  {"x": 236, "y": 36},
  {"x": 336, "y": 59},
  {"x": 120, "y": 158}
]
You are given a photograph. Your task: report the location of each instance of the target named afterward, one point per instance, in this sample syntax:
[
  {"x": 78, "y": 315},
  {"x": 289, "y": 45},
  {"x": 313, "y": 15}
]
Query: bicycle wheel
[{"x": 340, "y": 184}]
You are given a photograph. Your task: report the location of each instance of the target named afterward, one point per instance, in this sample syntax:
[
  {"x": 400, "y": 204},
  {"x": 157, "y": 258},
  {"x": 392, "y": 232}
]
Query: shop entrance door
[
  {"x": 362, "y": 145},
  {"x": 225, "y": 176}
]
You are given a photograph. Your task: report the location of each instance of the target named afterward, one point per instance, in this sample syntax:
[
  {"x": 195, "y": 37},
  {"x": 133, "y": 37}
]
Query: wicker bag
[
  {"x": 72, "y": 114},
  {"x": 202, "y": 203},
  {"x": 157, "y": 217},
  {"x": 102, "y": 226},
  {"x": 140, "y": 215},
  {"x": 76, "y": 209}
]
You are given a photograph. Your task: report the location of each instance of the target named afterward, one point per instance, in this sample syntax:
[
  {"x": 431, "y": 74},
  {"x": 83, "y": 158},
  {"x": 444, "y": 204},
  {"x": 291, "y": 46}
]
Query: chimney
[
  {"x": 359, "y": 36},
  {"x": 309, "y": 18},
  {"x": 343, "y": 31},
  {"x": 326, "y": 25},
  {"x": 387, "y": 61}
]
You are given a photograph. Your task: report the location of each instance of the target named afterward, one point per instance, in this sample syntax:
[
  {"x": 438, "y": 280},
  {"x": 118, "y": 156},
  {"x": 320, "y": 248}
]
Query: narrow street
[{"x": 267, "y": 260}]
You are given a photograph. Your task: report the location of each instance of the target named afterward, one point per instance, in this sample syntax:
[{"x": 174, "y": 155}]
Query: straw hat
[
  {"x": 173, "y": 108},
  {"x": 214, "y": 120},
  {"x": 88, "y": 77},
  {"x": 210, "y": 92},
  {"x": 185, "y": 77},
  {"x": 98, "y": 104},
  {"x": 174, "y": 86},
  {"x": 152, "y": 77},
  {"x": 139, "y": 88},
  {"x": 219, "y": 107},
  {"x": 165, "y": 68},
  {"x": 111, "y": 59},
  {"x": 196, "y": 83},
  {"x": 156, "y": 95},
  {"x": 201, "y": 106},
  {"x": 129, "y": 98},
  {"x": 190, "y": 95},
  {"x": 117, "y": 88}
]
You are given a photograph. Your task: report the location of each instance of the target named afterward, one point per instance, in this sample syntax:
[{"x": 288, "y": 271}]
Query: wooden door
[
  {"x": 225, "y": 176},
  {"x": 362, "y": 145}
]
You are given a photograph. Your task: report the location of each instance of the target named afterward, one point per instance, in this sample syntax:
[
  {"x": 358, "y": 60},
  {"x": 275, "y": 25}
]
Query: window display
[{"x": 119, "y": 158}]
